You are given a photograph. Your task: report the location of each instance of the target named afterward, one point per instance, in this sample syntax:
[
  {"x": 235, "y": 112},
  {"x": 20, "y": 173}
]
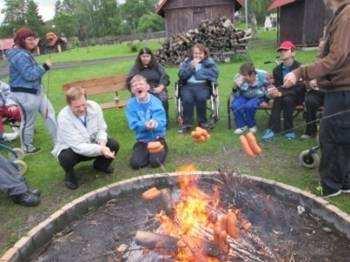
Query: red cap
[{"x": 286, "y": 45}]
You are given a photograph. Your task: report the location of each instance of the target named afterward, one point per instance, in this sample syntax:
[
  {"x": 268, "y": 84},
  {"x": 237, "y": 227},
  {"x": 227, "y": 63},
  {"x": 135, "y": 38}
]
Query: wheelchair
[{"x": 213, "y": 106}]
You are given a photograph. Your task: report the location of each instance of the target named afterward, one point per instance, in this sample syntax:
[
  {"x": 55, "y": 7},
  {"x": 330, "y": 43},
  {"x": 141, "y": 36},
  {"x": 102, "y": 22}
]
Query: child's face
[
  {"x": 140, "y": 89},
  {"x": 286, "y": 54},
  {"x": 198, "y": 54},
  {"x": 145, "y": 59},
  {"x": 250, "y": 79}
]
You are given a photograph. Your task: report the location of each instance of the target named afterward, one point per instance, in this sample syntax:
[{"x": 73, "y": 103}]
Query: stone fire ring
[{"x": 40, "y": 235}]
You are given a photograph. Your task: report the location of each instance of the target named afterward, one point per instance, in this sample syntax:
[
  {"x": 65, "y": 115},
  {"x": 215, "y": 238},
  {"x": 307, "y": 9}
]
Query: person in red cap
[
  {"x": 284, "y": 101},
  {"x": 27, "y": 90}
]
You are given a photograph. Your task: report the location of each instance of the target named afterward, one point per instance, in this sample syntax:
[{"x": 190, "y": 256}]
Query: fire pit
[{"x": 202, "y": 216}]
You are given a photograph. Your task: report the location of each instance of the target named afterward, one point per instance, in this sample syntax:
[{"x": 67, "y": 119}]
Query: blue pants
[
  {"x": 244, "y": 110},
  {"x": 195, "y": 95}
]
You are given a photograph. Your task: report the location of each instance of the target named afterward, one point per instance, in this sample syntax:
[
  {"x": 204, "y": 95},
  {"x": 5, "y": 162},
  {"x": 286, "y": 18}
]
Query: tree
[
  {"x": 33, "y": 19},
  {"x": 14, "y": 16},
  {"x": 58, "y": 7},
  {"x": 259, "y": 8},
  {"x": 65, "y": 24},
  {"x": 150, "y": 22}
]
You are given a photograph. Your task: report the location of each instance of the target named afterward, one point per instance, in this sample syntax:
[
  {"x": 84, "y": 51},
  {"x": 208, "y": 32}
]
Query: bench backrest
[{"x": 101, "y": 85}]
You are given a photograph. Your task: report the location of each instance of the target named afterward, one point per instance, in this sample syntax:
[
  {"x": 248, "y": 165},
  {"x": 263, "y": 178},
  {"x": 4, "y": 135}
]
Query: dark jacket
[
  {"x": 334, "y": 63},
  {"x": 298, "y": 89},
  {"x": 154, "y": 75},
  {"x": 208, "y": 72}
]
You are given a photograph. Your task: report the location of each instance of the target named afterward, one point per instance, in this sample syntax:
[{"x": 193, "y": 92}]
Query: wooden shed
[
  {"x": 301, "y": 21},
  {"x": 182, "y": 15}
]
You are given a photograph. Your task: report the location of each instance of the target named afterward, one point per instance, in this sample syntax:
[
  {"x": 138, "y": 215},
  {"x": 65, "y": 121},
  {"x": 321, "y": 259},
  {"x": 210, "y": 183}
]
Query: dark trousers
[
  {"x": 313, "y": 102},
  {"x": 286, "y": 105},
  {"x": 195, "y": 95},
  {"x": 141, "y": 157},
  {"x": 335, "y": 141},
  {"x": 68, "y": 158}
]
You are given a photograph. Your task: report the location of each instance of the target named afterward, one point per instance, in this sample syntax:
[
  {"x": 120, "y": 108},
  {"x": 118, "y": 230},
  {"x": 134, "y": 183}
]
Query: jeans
[{"x": 244, "y": 110}]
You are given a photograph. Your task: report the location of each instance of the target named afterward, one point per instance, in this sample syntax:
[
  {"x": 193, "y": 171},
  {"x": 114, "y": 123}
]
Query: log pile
[{"x": 219, "y": 35}]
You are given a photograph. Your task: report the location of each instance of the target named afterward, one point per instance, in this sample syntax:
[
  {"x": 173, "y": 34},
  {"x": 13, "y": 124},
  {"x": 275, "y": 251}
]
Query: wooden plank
[
  {"x": 102, "y": 85},
  {"x": 109, "y": 105}
]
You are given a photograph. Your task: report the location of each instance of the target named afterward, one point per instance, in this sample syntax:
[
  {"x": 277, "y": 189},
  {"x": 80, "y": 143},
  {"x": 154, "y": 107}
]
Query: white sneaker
[
  {"x": 253, "y": 129},
  {"x": 10, "y": 136},
  {"x": 240, "y": 131}
]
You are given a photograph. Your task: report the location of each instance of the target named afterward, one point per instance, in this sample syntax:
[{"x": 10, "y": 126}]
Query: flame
[{"x": 190, "y": 214}]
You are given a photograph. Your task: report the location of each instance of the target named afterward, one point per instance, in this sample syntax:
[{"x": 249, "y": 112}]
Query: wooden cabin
[
  {"x": 182, "y": 15},
  {"x": 301, "y": 21}
]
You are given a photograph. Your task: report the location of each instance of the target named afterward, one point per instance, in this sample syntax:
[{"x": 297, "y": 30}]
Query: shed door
[{"x": 199, "y": 14}]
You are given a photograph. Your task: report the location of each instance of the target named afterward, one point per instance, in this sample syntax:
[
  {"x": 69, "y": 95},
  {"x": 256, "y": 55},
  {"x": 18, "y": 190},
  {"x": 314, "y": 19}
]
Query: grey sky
[{"x": 46, "y": 8}]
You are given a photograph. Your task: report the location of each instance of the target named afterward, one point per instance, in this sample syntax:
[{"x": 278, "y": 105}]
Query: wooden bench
[{"x": 103, "y": 85}]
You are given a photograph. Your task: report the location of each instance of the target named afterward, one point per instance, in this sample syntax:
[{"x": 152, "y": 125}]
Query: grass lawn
[{"x": 278, "y": 162}]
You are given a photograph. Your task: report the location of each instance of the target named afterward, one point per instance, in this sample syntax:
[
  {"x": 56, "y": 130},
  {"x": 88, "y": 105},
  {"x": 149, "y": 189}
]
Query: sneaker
[
  {"x": 305, "y": 137},
  {"x": 268, "y": 135},
  {"x": 26, "y": 199},
  {"x": 345, "y": 190},
  {"x": 71, "y": 181},
  {"x": 10, "y": 136},
  {"x": 184, "y": 130},
  {"x": 33, "y": 150},
  {"x": 331, "y": 193},
  {"x": 240, "y": 131},
  {"x": 290, "y": 136},
  {"x": 253, "y": 129}
]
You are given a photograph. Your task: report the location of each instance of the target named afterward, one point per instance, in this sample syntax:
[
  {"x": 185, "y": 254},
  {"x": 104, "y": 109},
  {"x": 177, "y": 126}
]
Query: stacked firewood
[{"x": 219, "y": 35}]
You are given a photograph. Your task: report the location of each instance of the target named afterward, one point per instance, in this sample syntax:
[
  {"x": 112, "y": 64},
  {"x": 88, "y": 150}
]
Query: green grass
[
  {"x": 100, "y": 51},
  {"x": 278, "y": 162}
]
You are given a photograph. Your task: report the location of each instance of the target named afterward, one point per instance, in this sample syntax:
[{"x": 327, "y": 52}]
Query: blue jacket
[
  {"x": 258, "y": 89},
  {"x": 25, "y": 72},
  {"x": 208, "y": 72},
  {"x": 138, "y": 114}
]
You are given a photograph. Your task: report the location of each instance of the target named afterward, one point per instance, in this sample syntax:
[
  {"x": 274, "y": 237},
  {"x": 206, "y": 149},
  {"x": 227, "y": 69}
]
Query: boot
[
  {"x": 26, "y": 199},
  {"x": 71, "y": 180}
]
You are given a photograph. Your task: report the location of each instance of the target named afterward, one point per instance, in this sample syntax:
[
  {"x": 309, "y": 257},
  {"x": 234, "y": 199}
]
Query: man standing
[
  {"x": 82, "y": 136},
  {"x": 333, "y": 67}
]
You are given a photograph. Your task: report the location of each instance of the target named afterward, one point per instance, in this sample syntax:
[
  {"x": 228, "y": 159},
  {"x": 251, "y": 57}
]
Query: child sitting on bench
[{"x": 251, "y": 93}]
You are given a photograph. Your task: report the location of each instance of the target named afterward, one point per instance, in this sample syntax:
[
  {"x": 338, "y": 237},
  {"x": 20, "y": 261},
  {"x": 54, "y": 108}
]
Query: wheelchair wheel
[
  {"x": 230, "y": 115},
  {"x": 19, "y": 153},
  {"x": 309, "y": 159},
  {"x": 22, "y": 166}
]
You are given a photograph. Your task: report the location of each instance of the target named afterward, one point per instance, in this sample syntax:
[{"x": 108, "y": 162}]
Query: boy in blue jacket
[
  {"x": 146, "y": 117},
  {"x": 251, "y": 93}
]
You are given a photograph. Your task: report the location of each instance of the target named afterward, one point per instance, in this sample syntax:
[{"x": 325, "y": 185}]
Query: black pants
[
  {"x": 313, "y": 102},
  {"x": 195, "y": 95},
  {"x": 335, "y": 142},
  {"x": 286, "y": 104},
  {"x": 141, "y": 157},
  {"x": 68, "y": 158}
]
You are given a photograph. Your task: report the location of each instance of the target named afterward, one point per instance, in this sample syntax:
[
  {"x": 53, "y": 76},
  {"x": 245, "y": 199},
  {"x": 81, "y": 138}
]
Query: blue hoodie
[
  {"x": 138, "y": 113},
  {"x": 208, "y": 71},
  {"x": 257, "y": 89},
  {"x": 25, "y": 72}
]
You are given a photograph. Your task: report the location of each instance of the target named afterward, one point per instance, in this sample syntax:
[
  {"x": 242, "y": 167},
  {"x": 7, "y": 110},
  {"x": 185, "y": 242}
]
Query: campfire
[{"x": 193, "y": 226}]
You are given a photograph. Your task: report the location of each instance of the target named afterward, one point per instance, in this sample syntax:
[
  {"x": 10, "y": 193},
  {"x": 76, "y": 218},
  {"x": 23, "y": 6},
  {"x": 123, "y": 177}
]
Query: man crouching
[
  {"x": 146, "y": 117},
  {"x": 81, "y": 136}
]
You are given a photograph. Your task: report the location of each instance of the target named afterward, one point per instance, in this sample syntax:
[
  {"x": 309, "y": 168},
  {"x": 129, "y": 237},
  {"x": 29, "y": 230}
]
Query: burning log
[
  {"x": 151, "y": 194},
  {"x": 154, "y": 241},
  {"x": 219, "y": 35}
]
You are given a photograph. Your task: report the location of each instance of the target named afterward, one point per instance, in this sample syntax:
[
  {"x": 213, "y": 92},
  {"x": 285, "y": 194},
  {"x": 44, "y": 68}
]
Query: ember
[{"x": 197, "y": 228}]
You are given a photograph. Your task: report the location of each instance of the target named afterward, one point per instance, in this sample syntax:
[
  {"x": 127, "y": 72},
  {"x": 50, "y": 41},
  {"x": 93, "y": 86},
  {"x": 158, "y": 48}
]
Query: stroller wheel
[
  {"x": 309, "y": 160},
  {"x": 19, "y": 153},
  {"x": 22, "y": 166}
]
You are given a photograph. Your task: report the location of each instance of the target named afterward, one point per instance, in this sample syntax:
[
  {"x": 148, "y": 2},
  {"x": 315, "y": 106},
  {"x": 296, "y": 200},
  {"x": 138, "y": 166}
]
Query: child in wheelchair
[
  {"x": 9, "y": 113},
  {"x": 194, "y": 74},
  {"x": 252, "y": 91}
]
